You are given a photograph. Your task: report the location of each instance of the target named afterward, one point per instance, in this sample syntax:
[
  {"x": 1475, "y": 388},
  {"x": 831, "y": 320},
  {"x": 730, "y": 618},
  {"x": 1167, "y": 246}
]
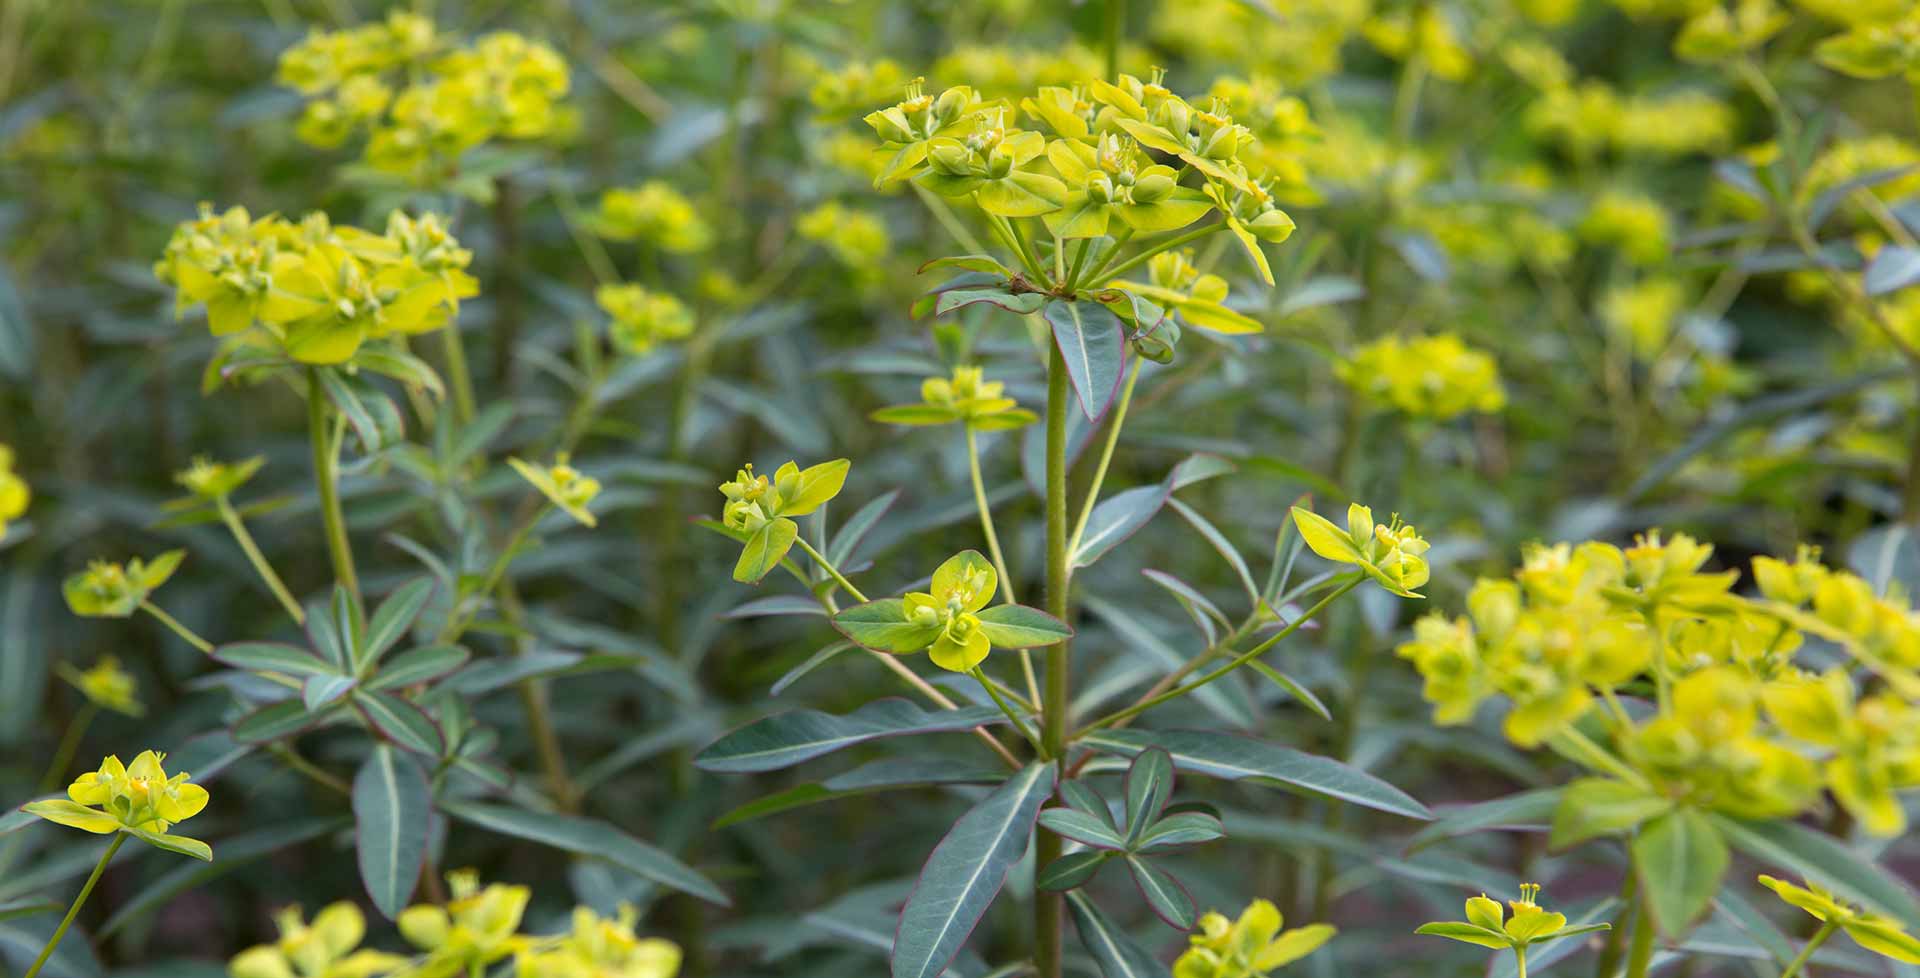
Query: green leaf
[
  {"x": 965, "y": 873},
  {"x": 915, "y": 414},
  {"x": 1524, "y": 810},
  {"x": 1165, "y": 896},
  {"x": 1117, "y": 954},
  {"x": 1149, "y": 783},
  {"x": 861, "y": 523},
  {"x": 320, "y": 692},
  {"x": 1602, "y": 806},
  {"x": 764, "y": 550},
  {"x": 287, "y": 660},
  {"x": 1071, "y": 870},
  {"x": 371, "y": 414},
  {"x": 887, "y": 774},
  {"x": 1680, "y": 858},
  {"x": 174, "y": 843},
  {"x": 1116, "y": 518},
  {"x": 392, "y": 620},
  {"x": 883, "y": 626},
  {"x": 277, "y": 721},
  {"x": 1088, "y": 336},
  {"x": 1088, "y": 830},
  {"x": 1894, "y": 267},
  {"x": 1016, "y": 626},
  {"x": 1460, "y": 930},
  {"x": 1179, "y": 830},
  {"x": 1292, "y": 687},
  {"x": 591, "y": 838},
  {"x": 421, "y": 665},
  {"x": 1811, "y": 855},
  {"x": 1235, "y": 758},
  {"x": 815, "y": 485},
  {"x": 1021, "y": 303},
  {"x": 392, "y": 806},
  {"x": 786, "y": 739},
  {"x": 401, "y": 721}
]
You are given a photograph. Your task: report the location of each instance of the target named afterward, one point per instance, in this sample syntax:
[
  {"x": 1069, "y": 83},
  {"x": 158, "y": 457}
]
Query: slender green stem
[
  {"x": 326, "y": 477},
  {"x": 1827, "y": 927},
  {"x": 1014, "y": 239},
  {"x": 187, "y": 634},
  {"x": 1235, "y": 663},
  {"x": 1608, "y": 962},
  {"x": 999, "y": 558},
  {"x": 944, "y": 214},
  {"x": 1106, "y": 455},
  {"x": 1047, "y": 913},
  {"x": 1520, "y": 959},
  {"x": 1600, "y": 757},
  {"x": 1640, "y": 956},
  {"x": 69, "y": 744},
  {"x": 238, "y": 528},
  {"x": 456, "y": 354},
  {"x": 313, "y": 772},
  {"x": 832, "y": 571},
  {"x": 497, "y": 571},
  {"x": 993, "y": 691},
  {"x": 1080, "y": 249},
  {"x": 1107, "y": 258},
  {"x": 1116, "y": 26},
  {"x": 1145, "y": 256},
  {"x": 74, "y": 911}
]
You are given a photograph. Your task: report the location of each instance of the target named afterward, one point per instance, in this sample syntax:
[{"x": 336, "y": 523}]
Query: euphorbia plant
[{"x": 1121, "y": 176}]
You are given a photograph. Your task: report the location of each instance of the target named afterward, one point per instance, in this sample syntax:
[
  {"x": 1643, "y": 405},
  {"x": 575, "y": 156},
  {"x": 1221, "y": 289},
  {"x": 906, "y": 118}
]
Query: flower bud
[
  {"x": 948, "y": 156},
  {"x": 1100, "y": 188},
  {"x": 1152, "y": 188},
  {"x": 950, "y": 104}
]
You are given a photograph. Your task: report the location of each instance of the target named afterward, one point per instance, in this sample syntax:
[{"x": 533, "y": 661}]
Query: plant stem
[
  {"x": 1116, "y": 26},
  {"x": 326, "y": 476},
  {"x": 832, "y": 571},
  {"x": 238, "y": 528},
  {"x": 1107, "y": 258},
  {"x": 1641, "y": 955},
  {"x": 69, "y": 743},
  {"x": 1237, "y": 661},
  {"x": 1608, "y": 963},
  {"x": 1053, "y": 709},
  {"x": 187, "y": 634},
  {"x": 1827, "y": 927},
  {"x": 74, "y": 911},
  {"x": 456, "y": 354},
  {"x": 999, "y": 558},
  {"x": 1520, "y": 959},
  {"x": 1106, "y": 455},
  {"x": 1142, "y": 258},
  {"x": 993, "y": 692}
]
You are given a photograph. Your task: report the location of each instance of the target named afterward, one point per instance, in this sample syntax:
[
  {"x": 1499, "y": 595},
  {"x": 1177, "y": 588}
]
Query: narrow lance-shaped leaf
[
  {"x": 1118, "y": 955},
  {"x": 786, "y": 739},
  {"x": 391, "y": 808},
  {"x": 1088, "y": 336},
  {"x": 1234, "y": 758},
  {"x": 965, "y": 873},
  {"x": 590, "y": 838}
]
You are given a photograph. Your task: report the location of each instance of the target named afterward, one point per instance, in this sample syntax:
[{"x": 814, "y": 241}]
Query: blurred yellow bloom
[
  {"x": 105, "y": 685},
  {"x": 329, "y": 947},
  {"x": 1435, "y": 377},
  {"x": 109, "y": 590},
  {"x": 1881, "y": 935},
  {"x": 655, "y": 214},
  {"x": 208, "y": 479},
  {"x": 14, "y": 494},
  {"x": 967, "y": 397},
  {"x": 641, "y": 318},
  {"x": 1247, "y": 947},
  {"x": 598, "y": 947},
  {"x": 476, "y": 927},
  {"x": 563, "y": 485}
]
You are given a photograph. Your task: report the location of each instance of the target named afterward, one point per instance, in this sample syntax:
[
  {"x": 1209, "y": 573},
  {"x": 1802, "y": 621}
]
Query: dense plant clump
[{"x": 584, "y": 490}]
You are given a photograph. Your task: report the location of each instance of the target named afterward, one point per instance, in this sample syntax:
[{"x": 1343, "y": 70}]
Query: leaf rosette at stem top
[{"x": 951, "y": 619}]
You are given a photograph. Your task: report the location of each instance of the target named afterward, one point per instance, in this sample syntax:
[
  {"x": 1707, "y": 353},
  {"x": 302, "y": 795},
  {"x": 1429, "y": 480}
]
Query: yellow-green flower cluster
[
  {"x": 328, "y": 947},
  {"x": 1198, "y": 299},
  {"x": 1488, "y": 925},
  {"x": 852, "y": 87},
  {"x": 1644, "y": 312},
  {"x": 1391, "y": 553},
  {"x": 110, "y": 590},
  {"x": 14, "y": 494},
  {"x": 105, "y": 685},
  {"x": 140, "y": 799},
  {"x": 424, "y": 99},
  {"x": 1437, "y": 377},
  {"x": 655, "y": 214},
  {"x": 1249, "y": 946},
  {"x": 1739, "y": 727},
  {"x": 477, "y": 927},
  {"x": 1876, "y": 49},
  {"x": 598, "y": 947},
  {"x": 1589, "y": 117},
  {"x": 1881, "y": 935},
  {"x": 563, "y": 485},
  {"x": 208, "y": 479},
  {"x": 1718, "y": 34},
  {"x": 1094, "y": 173},
  {"x": 1299, "y": 48},
  {"x": 966, "y": 397},
  {"x": 1424, "y": 32},
  {"x": 856, "y": 238},
  {"x": 1633, "y": 223},
  {"x": 312, "y": 291},
  {"x": 642, "y": 319}
]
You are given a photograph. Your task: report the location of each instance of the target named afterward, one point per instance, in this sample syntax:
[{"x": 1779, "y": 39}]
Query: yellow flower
[
  {"x": 1632, "y": 222},
  {"x": 326, "y": 948},
  {"x": 140, "y": 799},
  {"x": 965, "y": 397},
  {"x": 1881, "y": 935},
  {"x": 563, "y": 485},
  {"x": 598, "y": 947},
  {"x": 208, "y": 479},
  {"x": 1435, "y": 377},
  {"x": 1249, "y": 946},
  {"x": 643, "y": 319},
  {"x": 475, "y": 929},
  {"x": 761, "y": 512},
  {"x": 14, "y": 494},
  {"x": 951, "y": 618},
  {"x": 907, "y": 129},
  {"x": 856, "y": 238},
  {"x": 1488, "y": 925},
  {"x": 1390, "y": 553},
  {"x": 961, "y": 586},
  {"x": 105, "y": 685},
  {"x": 108, "y": 590},
  {"x": 653, "y": 213}
]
